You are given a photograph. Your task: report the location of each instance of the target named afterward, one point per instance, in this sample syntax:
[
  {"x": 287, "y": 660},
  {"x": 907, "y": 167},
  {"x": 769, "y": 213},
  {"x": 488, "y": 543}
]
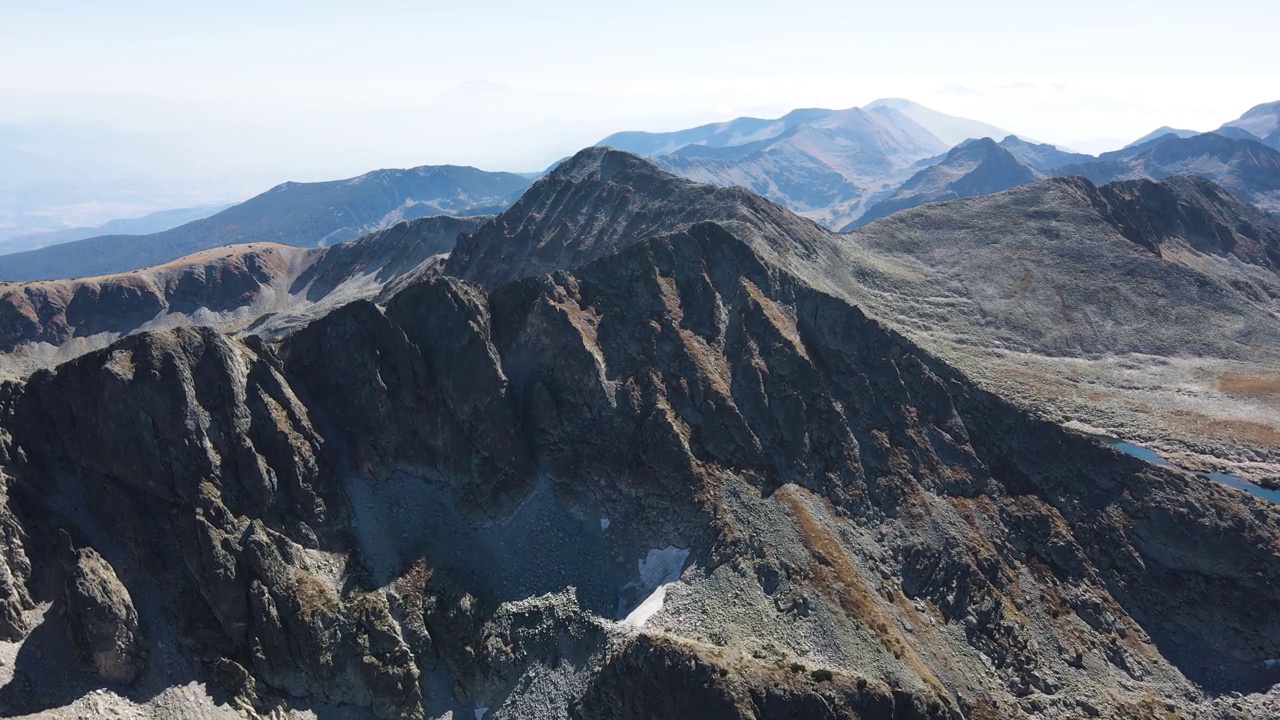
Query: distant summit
[
  {"x": 979, "y": 167},
  {"x": 1159, "y": 133},
  {"x": 949, "y": 129},
  {"x": 1247, "y": 168},
  {"x": 1041, "y": 156},
  {"x": 1261, "y": 121},
  {"x": 827, "y": 165}
]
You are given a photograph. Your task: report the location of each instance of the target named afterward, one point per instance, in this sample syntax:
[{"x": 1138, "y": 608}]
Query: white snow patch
[
  {"x": 1272, "y": 662},
  {"x": 604, "y": 523},
  {"x": 662, "y": 567},
  {"x": 659, "y": 569},
  {"x": 647, "y": 609},
  {"x": 480, "y": 712}
]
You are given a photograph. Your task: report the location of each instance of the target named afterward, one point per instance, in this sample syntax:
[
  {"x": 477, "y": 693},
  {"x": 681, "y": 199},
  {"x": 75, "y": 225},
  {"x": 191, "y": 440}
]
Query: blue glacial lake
[{"x": 1234, "y": 481}]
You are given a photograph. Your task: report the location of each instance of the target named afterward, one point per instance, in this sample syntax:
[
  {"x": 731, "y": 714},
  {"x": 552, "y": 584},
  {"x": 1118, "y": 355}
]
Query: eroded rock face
[
  {"x": 100, "y": 616},
  {"x": 15, "y": 571}
]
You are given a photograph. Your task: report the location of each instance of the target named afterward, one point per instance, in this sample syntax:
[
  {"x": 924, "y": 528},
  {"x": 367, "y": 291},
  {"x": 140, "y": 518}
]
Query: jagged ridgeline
[{"x": 640, "y": 448}]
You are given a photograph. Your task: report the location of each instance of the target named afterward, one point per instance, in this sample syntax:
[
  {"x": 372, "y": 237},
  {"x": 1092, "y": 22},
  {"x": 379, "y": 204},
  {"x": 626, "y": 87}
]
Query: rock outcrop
[
  {"x": 100, "y": 615},
  {"x": 15, "y": 572}
]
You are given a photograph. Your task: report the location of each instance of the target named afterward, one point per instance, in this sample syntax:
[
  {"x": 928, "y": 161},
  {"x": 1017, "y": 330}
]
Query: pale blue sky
[{"x": 267, "y": 91}]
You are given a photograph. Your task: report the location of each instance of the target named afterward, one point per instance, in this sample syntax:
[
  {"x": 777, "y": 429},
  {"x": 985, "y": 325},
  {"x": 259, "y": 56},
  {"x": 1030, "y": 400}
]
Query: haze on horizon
[{"x": 171, "y": 106}]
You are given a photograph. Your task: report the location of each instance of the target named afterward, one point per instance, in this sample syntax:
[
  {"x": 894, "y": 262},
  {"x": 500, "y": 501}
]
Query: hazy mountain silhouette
[
  {"x": 1161, "y": 132},
  {"x": 1261, "y": 121},
  {"x": 978, "y": 167},
  {"x": 301, "y": 214},
  {"x": 150, "y": 223}
]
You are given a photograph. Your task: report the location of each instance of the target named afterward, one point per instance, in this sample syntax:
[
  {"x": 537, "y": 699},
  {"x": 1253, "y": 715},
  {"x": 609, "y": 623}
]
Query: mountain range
[
  {"x": 643, "y": 447},
  {"x": 299, "y": 214},
  {"x": 842, "y": 168},
  {"x": 977, "y": 167},
  {"x": 149, "y": 223},
  {"x": 824, "y": 164}
]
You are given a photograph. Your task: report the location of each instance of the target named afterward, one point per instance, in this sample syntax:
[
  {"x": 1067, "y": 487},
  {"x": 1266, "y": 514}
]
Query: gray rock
[{"x": 100, "y": 616}]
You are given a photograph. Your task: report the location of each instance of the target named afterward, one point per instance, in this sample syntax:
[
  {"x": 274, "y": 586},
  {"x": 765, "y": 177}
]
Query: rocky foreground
[{"x": 640, "y": 448}]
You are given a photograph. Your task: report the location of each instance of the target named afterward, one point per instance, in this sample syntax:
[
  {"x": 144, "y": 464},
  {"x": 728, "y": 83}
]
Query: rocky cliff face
[
  {"x": 1193, "y": 210},
  {"x": 447, "y": 501}
]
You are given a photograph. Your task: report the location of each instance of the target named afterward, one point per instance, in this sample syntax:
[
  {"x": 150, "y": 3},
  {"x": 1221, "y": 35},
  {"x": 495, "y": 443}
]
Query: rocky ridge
[
  {"x": 343, "y": 515},
  {"x": 264, "y": 286}
]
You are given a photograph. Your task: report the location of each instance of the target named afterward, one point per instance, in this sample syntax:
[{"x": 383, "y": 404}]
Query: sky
[{"x": 209, "y": 101}]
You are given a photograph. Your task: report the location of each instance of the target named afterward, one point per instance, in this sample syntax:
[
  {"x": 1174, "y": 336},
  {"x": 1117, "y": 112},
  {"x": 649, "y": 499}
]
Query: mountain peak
[
  {"x": 974, "y": 167},
  {"x": 599, "y": 163},
  {"x": 603, "y": 200},
  {"x": 951, "y": 130},
  {"x": 1162, "y": 133}
]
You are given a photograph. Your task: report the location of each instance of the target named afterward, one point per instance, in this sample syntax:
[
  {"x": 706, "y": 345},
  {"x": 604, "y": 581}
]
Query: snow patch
[
  {"x": 480, "y": 711},
  {"x": 1271, "y": 663},
  {"x": 658, "y": 570},
  {"x": 604, "y": 523},
  {"x": 647, "y": 609}
]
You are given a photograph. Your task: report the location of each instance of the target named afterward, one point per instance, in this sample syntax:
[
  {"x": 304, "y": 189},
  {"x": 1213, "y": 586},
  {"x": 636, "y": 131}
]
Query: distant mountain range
[
  {"x": 1247, "y": 168},
  {"x": 827, "y": 165},
  {"x": 299, "y": 214},
  {"x": 1250, "y": 170},
  {"x": 264, "y": 286},
  {"x": 151, "y": 223},
  {"x": 841, "y": 168}
]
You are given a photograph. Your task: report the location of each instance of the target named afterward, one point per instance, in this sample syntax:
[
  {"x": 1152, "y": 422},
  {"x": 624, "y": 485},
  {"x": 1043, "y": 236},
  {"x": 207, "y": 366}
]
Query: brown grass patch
[
  {"x": 1250, "y": 385},
  {"x": 1242, "y": 431},
  {"x": 313, "y": 597}
]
